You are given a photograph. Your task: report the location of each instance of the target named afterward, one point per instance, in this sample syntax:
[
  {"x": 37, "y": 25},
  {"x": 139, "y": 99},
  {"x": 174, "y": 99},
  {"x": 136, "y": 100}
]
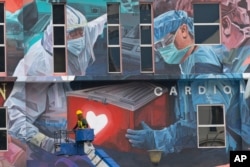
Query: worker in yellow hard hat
[{"x": 81, "y": 121}]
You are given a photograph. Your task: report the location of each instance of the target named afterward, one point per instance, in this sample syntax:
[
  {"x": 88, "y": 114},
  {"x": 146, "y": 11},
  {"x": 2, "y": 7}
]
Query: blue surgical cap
[{"x": 169, "y": 22}]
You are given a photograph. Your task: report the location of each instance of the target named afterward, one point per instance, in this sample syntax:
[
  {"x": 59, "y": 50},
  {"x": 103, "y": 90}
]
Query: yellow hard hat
[{"x": 78, "y": 112}]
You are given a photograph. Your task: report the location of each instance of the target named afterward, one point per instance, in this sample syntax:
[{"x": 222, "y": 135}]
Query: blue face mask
[
  {"x": 170, "y": 53},
  {"x": 76, "y": 46},
  {"x": 78, "y": 59}
]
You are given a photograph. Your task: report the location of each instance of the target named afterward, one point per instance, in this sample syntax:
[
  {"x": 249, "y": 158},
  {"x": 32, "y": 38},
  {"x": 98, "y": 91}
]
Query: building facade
[{"x": 149, "y": 76}]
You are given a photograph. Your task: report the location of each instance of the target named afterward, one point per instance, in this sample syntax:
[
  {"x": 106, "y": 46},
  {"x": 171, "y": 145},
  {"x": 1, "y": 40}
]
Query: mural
[
  {"x": 129, "y": 116},
  {"x": 34, "y": 33},
  {"x": 230, "y": 57}
]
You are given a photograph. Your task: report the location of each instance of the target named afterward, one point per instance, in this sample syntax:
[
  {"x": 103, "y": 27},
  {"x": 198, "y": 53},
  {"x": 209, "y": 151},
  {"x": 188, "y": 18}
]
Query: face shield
[
  {"x": 75, "y": 19},
  {"x": 168, "y": 39},
  {"x": 75, "y": 33}
]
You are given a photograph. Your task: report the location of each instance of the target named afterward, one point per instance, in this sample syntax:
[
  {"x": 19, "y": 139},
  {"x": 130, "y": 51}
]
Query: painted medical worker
[
  {"x": 174, "y": 37},
  {"x": 35, "y": 110},
  {"x": 175, "y": 44},
  {"x": 235, "y": 37}
]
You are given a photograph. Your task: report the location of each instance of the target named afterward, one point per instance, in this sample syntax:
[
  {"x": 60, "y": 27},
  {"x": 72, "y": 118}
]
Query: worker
[{"x": 81, "y": 121}]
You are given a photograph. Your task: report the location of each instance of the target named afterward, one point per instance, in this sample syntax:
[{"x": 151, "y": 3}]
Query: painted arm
[{"x": 95, "y": 28}]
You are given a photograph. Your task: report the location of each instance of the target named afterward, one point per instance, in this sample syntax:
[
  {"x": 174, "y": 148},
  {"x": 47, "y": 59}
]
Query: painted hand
[{"x": 142, "y": 138}]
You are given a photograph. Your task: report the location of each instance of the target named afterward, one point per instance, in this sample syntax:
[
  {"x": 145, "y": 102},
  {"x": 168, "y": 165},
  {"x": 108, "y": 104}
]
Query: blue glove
[
  {"x": 142, "y": 138},
  {"x": 169, "y": 139}
]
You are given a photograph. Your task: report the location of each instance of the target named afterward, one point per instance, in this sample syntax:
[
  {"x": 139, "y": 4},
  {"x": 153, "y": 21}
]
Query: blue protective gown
[{"x": 183, "y": 132}]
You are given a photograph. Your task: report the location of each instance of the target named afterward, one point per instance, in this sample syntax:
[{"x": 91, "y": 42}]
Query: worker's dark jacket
[{"x": 81, "y": 124}]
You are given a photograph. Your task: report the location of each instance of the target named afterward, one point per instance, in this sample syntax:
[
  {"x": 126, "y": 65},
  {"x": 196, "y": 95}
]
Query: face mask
[
  {"x": 170, "y": 53},
  {"x": 78, "y": 57},
  {"x": 76, "y": 46}
]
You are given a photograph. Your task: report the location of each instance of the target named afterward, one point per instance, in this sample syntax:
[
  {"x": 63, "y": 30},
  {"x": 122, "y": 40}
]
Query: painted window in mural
[
  {"x": 114, "y": 53},
  {"x": 211, "y": 126},
  {"x": 146, "y": 44},
  {"x": 59, "y": 46},
  {"x": 207, "y": 23},
  {"x": 2, "y": 41},
  {"x": 3, "y": 129}
]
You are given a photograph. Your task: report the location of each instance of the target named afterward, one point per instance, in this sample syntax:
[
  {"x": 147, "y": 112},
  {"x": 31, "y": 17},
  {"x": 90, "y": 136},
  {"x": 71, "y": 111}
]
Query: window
[
  {"x": 113, "y": 33},
  {"x": 114, "y": 59},
  {"x": 206, "y": 23},
  {"x": 114, "y": 42},
  {"x": 59, "y": 41},
  {"x": 211, "y": 126},
  {"x": 3, "y": 130},
  {"x": 146, "y": 43},
  {"x": 2, "y": 41}
]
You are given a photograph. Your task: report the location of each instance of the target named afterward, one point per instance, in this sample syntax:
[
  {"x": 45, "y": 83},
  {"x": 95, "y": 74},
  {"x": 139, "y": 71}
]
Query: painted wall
[
  {"x": 25, "y": 30},
  {"x": 129, "y": 112},
  {"x": 128, "y": 118}
]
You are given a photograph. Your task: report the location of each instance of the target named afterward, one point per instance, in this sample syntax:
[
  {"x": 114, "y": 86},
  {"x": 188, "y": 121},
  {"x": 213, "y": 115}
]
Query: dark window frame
[
  {"x": 3, "y": 58},
  {"x": 112, "y": 63},
  {"x": 142, "y": 25},
  {"x": 209, "y": 36},
  {"x": 60, "y": 43},
  {"x": 114, "y": 66},
  {"x": 3, "y": 139}
]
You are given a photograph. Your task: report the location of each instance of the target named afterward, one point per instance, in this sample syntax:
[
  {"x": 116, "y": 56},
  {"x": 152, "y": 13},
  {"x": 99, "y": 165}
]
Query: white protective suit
[{"x": 30, "y": 102}]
